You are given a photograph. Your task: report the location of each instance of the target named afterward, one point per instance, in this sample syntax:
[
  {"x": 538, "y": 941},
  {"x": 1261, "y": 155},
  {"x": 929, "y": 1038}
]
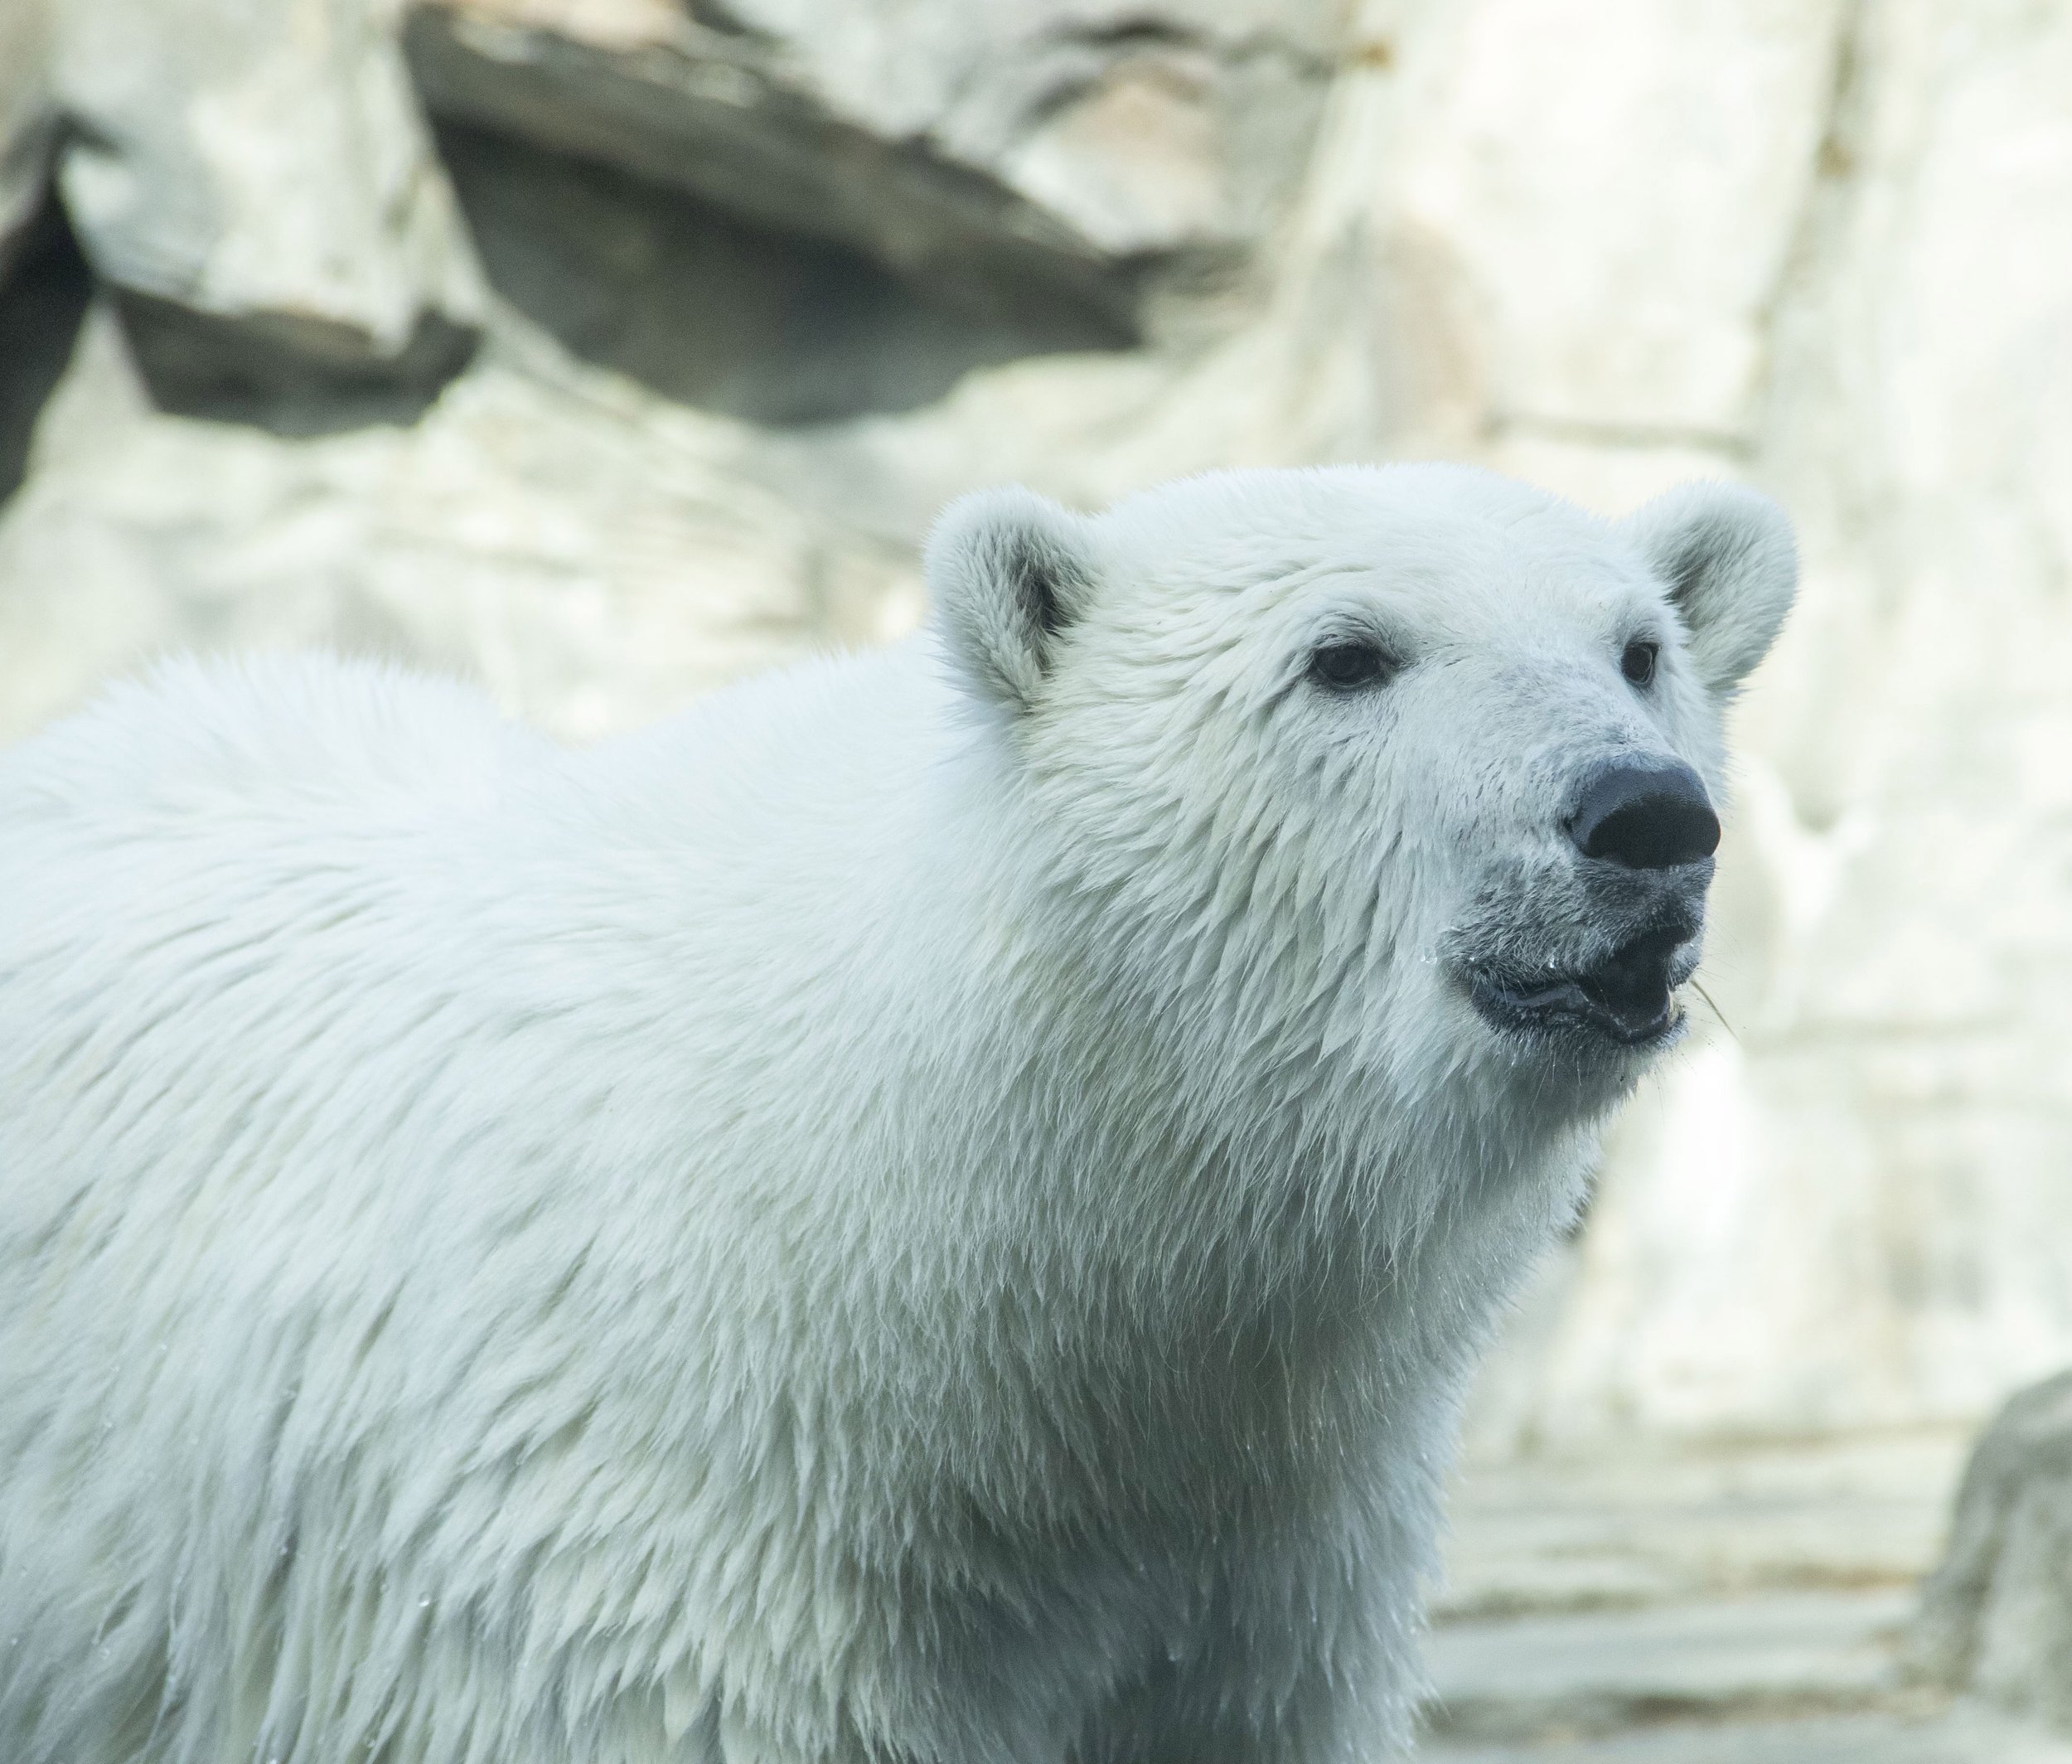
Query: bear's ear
[
  {"x": 1009, "y": 571},
  {"x": 1728, "y": 557}
]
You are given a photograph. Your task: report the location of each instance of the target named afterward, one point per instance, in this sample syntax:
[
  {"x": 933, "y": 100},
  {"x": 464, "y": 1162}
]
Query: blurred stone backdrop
[{"x": 603, "y": 350}]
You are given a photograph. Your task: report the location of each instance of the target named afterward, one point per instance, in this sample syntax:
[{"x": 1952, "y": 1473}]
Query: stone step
[
  {"x": 1957, "y": 1736},
  {"x": 1647, "y": 1529},
  {"x": 1526, "y": 1678}
]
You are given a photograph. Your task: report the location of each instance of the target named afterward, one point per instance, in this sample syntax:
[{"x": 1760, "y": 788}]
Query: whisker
[{"x": 1701, "y": 991}]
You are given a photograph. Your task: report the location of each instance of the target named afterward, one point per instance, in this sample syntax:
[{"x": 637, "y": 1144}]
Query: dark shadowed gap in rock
[
  {"x": 714, "y": 312},
  {"x": 293, "y": 378},
  {"x": 43, "y": 301},
  {"x": 716, "y": 15}
]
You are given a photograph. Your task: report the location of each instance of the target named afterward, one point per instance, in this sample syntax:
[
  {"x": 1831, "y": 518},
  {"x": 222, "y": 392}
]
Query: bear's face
[{"x": 1415, "y": 763}]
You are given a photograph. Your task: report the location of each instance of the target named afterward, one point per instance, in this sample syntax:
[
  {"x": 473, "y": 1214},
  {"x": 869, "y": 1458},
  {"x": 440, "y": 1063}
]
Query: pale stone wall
[
  {"x": 1859, "y": 1213},
  {"x": 1825, "y": 245}
]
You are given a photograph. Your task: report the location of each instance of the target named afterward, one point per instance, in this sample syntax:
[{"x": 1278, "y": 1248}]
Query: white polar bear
[{"x": 936, "y": 1209}]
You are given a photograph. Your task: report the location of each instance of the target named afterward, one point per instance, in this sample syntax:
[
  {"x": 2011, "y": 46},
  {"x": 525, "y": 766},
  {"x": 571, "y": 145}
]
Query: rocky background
[{"x": 603, "y": 350}]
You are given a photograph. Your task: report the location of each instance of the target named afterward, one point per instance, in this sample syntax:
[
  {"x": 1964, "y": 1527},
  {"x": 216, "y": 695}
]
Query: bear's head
[{"x": 1414, "y": 765}]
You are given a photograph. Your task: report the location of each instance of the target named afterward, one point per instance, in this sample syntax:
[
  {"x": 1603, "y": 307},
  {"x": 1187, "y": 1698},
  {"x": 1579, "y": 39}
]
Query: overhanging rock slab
[{"x": 1024, "y": 152}]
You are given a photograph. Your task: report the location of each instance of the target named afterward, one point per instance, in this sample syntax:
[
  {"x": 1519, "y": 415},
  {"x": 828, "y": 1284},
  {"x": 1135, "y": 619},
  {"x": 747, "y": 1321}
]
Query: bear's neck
[{"x": 1156, "y": 1250}]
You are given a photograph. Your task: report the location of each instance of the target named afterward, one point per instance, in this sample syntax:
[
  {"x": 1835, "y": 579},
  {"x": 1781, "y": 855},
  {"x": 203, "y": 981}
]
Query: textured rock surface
[
  {"x": 1997, "y": 1617},
  {"x": 1593, "y": 164},
  {"x": 266, "y": 168},
  {"x": 788, "y": 330},
  {"x": 1014, "y": 153},
  {"x": 28, "y": 119},
  {"x": 594, "y": 569}
]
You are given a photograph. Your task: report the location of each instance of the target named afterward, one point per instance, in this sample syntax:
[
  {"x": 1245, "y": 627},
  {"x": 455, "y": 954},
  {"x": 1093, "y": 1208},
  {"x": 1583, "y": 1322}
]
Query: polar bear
[{"x": 935, "y": 1208}]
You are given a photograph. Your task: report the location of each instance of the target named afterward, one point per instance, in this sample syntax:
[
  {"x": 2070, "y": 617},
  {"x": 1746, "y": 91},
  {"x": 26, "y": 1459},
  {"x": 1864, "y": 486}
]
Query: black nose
[{"x": 1645, "y": 816}]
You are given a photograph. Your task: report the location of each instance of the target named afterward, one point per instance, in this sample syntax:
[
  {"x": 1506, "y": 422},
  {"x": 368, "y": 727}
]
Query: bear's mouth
[{"x": 1628, "y": 999}]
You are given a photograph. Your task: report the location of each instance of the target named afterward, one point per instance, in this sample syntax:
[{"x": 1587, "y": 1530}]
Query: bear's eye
[
  {"x": 1346, "y": 667},
  {"x": 1637, "y": 664}
]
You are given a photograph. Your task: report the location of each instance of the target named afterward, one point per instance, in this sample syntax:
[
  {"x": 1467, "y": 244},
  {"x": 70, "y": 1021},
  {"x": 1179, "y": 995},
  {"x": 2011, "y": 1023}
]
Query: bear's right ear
[{"x": 1009, "y": 571}]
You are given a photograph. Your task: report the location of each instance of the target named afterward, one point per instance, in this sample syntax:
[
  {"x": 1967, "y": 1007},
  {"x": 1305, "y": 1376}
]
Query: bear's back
[
  {"x": 237, "y": 889},
  {"x": 196, "y": 738}
]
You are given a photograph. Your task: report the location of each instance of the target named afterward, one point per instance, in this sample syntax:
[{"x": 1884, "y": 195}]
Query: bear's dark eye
[
  {"x": 1346, "y": 667},
  {"x": 1637, "y": 664}
]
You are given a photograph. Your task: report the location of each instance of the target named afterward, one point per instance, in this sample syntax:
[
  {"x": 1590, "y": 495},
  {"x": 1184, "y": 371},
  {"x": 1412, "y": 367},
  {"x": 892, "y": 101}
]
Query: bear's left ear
[
  {"x": 1009, "y": 571},
  {"x": 1727, "y": 556}
]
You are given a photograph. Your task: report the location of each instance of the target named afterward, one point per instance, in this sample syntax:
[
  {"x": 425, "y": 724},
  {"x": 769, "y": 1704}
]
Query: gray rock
[
  {"x": 634, "y": 275},
  {"x": 265, "y": 168},
  {"x": 27, "y": 120},
  {"x": 1030, "y": 151},
  {"x": 586, "y": 554},
  {"x": 1997, "y": 1617},
  {"x": 43, "y": 298}
]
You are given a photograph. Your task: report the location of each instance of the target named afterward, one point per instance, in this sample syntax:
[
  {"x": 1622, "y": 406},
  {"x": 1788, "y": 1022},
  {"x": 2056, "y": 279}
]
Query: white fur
[{"x": 935, "y": 1208}]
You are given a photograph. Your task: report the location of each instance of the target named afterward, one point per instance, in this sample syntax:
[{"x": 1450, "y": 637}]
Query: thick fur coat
[{"x": 936, "y": 1209}]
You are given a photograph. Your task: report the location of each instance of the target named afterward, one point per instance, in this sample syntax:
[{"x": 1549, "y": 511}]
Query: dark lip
[{"x": 1628, "y": 1000}]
